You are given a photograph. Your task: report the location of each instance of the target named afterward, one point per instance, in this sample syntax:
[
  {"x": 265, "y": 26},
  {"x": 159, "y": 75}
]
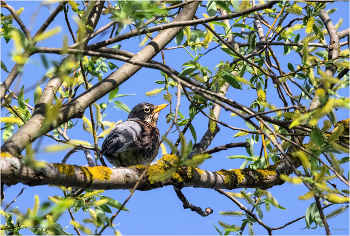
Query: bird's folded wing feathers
[{"x": 120, "y": 137}]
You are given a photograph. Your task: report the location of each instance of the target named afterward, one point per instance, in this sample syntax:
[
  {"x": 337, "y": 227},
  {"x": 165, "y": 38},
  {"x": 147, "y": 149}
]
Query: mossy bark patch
[
  {"x": 232, "y": 177},
  {"x": 166, "y": 163},
  {"x": 97, "y": 172},
  {"x": 65, "y": 169}
]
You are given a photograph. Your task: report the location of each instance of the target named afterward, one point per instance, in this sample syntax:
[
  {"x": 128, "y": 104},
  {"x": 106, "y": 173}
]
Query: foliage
[{"x": 292, "y": 134}]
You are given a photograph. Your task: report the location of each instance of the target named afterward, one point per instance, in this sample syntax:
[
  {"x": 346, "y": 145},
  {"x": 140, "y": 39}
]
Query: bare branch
[
  {"x": 7, "y": 206},
  {"x": 188, "y": 205},
  {"x": 225, "y": 147}
]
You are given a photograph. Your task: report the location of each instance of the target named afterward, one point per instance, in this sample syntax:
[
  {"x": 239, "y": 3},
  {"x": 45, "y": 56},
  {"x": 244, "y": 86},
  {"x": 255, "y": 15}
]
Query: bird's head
[{"x": 146, "y": 112}]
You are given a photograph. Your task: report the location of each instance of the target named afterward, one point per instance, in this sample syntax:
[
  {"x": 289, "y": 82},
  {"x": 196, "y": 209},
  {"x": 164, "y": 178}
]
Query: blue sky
[{"x": 159, "y": 211}]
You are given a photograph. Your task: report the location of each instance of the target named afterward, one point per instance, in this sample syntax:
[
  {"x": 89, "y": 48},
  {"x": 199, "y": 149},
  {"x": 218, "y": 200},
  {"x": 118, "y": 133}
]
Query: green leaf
[
  {"x": 316, "y": 137},
  {"x": 296, "y": 39},
  {"x": 193, "y": 132},
  {"x": 318, "y": 219},
  {"x": 20, "y": 99},
  {"x": 187, "y": 71},
  {"x": 267, "y": 205},
  {"x": 192, "y": 111},
  {"x": 231, "y": 229},
  {"x": 114, "y": 203},
  {"x": 179, "y": 38},
  {"x": 229, "y": 52},
  {"x": 315, "y": 28},
  {"x": 344, "y": 160},
  {"x": 243, "y": 164},
  {"x": 287, "y": 50},
  {"x": 250, "y": 150},
  {"x": 37, "y": 94},
  {"x": 309, "y": 215},
  {"x": 123, "y": 95},
  {"x": 105, "y": 208},
  {"x": 219, "y": 23},
  {"x": 103, "y": 67},
  {"x": 239, "y": 25},
  {"x": 45, "y": 63},
  {"x": 238, "y": 35},
  {"x": 323, "y": 54},
  {"x": 252, "y": 41},
  {"x": 113, "y": 93},
  {"x": 333, "y": 117},
  {"x": 258, "y": 210},
  {"x": 111, "y": 65},
  {"x": 291, "y": 67},
  {"x": 216, "y": 228},
  {"x": 211, "y": 8},
  {"x": 281, "y": 207},
  {"x": 57, "y": 228},
  {"x": 241, "y": 157},
  {"x": 231, "y": 79},
  {"x": 250, "y": 126},
  {"x": 122, "y": 106},
  {"x": 4, "y": 67},
  {"x": 223, "y": 5}
]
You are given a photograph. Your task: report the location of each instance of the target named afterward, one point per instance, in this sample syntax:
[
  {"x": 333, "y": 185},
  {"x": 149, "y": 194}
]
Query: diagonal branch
[
  {"x": 242, "y": 207},
  {"x": 16, "y": 17}
]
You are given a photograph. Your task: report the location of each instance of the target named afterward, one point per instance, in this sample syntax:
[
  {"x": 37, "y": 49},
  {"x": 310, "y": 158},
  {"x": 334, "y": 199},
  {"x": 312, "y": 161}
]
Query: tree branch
[
  {"x": 14, "y": 171},
  {"x": 187, "y": 205}
]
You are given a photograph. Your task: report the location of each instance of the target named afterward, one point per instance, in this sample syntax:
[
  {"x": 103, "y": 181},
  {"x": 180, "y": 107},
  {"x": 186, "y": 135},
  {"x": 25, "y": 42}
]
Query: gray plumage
[{"x": 136, "y": 140}]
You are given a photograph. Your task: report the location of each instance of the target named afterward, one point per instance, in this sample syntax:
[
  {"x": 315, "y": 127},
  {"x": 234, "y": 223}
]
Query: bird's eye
[{"x": 147, "y": 109}]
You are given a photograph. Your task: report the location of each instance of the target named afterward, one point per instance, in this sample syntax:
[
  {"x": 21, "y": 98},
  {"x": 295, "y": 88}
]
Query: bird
[{"x": 136, "y": 140}]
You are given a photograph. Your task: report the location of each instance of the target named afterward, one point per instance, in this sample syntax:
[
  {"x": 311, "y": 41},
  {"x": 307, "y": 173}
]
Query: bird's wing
[{"x": 120, "y": 137}]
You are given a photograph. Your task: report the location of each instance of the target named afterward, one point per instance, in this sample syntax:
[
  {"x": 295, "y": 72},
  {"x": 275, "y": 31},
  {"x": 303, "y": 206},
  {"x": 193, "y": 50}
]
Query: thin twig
[
  {"x": 73, "y": 150},
  {"x": 7, "y": 206},
  {"x": 178, "y": 5},
  {"x": 318, "y": 204},
  {"x": 293, "y": 221},
  {"x": 72, "y": 217},
  {"x": 68, "y": 24},
  {"x": 225, "y": 147},
  {"x": 97, "y": 150},
  {"x": 266, "y": 112},
  {"x": 242, "y": 207}
]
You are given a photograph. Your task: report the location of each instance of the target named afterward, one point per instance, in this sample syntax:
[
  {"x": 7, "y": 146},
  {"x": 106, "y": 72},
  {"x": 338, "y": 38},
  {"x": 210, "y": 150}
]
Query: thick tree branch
[{"x": 14, "y": 171}]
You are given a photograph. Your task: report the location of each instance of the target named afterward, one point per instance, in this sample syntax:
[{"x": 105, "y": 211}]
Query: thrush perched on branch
[{"x": 136, "y": 140}]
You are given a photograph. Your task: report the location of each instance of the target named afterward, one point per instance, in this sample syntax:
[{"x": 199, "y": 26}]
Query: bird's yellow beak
[{"x": 160, "y": 107}]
